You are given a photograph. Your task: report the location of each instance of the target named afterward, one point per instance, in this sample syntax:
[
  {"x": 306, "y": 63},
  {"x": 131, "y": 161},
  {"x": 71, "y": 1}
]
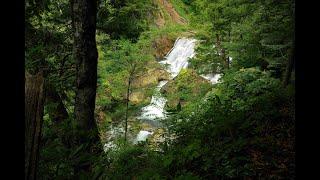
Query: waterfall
[
  {"x": 175, "y": 60},
  {"x": 155, "y": 110}
]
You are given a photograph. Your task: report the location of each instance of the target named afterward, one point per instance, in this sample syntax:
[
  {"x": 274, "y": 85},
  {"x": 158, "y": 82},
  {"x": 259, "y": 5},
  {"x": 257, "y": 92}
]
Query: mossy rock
[
  {"x": 184, "y": 88},
  {"x": 144, "y": 84},
  {"x": 138, "y": 96}
]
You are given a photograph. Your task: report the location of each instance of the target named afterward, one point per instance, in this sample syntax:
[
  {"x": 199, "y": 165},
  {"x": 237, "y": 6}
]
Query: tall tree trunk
[
  {"x": 34, "y": 102},
  {"x": 86, "y": 56}
]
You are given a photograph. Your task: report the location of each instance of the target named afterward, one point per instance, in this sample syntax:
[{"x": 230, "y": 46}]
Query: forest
[{"x": 159, "y": 89}]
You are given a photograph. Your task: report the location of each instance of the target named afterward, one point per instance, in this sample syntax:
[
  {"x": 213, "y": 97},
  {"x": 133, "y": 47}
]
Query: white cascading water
[
  {"x": 213, "y": 78},
  {"x": 156, "y": 107},
  {"x": 142, "y": 136},
  {"x": 175, "y": 60}
]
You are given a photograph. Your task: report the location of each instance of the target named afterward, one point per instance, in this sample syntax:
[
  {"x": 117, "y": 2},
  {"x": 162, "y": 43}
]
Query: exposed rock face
[
  {"x": 175, "y": 17},
  {"x": 166, "y": 13},
  {"x": 162, "y": 46},
  {"x": 172, "y": 14}
]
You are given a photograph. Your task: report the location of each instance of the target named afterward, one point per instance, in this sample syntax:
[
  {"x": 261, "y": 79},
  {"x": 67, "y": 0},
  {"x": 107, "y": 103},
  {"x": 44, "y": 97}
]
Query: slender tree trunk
[
  {"x": 34, "y": 103},
  {"x": 218, "y": 42},
  {"x": 127, "y": 110},
  {"x": 131, "y": 74},
  {"x": 228, "y": 62},
  {"x": 86, "y": 56}
]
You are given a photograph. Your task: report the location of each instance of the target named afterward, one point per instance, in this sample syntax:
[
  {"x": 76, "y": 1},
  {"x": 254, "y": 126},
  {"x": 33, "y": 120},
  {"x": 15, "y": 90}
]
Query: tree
[
  {"x": 34, "y": 100},
  {"x": 120, "y": 63},
  {"x": 133, "y": 62},
  {"x": 256, "y": 34},
  {"x": 85, "y": 53},
  {"x": 124, "y": 18}
]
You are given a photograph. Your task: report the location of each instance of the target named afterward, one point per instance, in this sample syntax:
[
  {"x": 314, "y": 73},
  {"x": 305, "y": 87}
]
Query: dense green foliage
[
  {"x": 239, "y": 128},
  {"x": 48, "y": 48},
  {"x": 124, "y": 18},
  {"x": 49, "y": 43},
  {"x": 244, "y": 127},
  {"x": 255, "y": 34}
]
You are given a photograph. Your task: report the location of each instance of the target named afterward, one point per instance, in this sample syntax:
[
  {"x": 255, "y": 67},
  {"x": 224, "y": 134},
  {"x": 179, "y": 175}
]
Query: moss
[{"x": 186, "y": 87}]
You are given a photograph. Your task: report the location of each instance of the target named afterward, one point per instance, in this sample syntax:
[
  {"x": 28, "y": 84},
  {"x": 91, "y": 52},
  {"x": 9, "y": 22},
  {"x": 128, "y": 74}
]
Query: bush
[{"x": 241, "y": 128}]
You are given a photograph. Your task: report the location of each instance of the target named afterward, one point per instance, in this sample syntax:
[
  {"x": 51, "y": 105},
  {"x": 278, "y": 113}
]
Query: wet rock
[{"x": 162, "y": 46}]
